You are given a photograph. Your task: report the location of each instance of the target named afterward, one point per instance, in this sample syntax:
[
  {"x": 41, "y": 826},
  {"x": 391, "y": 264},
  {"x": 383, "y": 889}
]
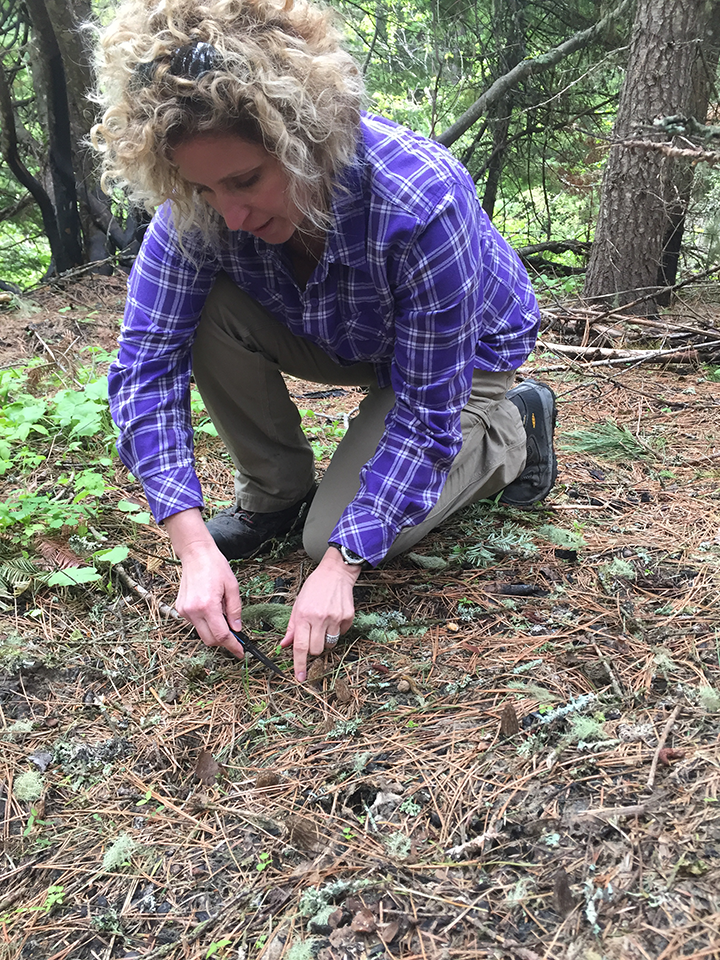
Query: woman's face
[{"x": 243, "y": 182}]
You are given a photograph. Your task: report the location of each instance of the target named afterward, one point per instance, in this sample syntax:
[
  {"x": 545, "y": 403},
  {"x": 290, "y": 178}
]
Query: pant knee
[{"x": 315, "y": 541}]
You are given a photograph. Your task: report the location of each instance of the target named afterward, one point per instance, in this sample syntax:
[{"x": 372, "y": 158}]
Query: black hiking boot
[
  {"x": 538, "y": 412},
  {"x": 239, "y": 533}
]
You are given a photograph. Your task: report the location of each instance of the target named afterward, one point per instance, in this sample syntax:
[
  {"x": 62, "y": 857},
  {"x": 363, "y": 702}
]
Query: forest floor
[{"x": 514, "y": 753}]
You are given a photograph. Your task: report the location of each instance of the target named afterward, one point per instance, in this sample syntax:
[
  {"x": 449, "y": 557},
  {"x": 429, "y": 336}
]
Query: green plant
[
  {"x": 79, "y": 425},
  {"x": 709, "y": 699},
  {"x": 323, "y": 437},
  {"x": 32, "y": 822},
  {"x": 610, "y": 441},
  {"x": 397, "y": 845},
  {"x": 264, "y": 861},
  {"x": 491, "y": 543},
  {"x": 584, "y": 728},
  {"x": 134, "y": 511},
  {"x": 218, "y": 946},
  {"x": 203, "y": 423},
  {"x": 55, "y": 895},
  {"x": 566, "y": 539},
  {"x": 107, "y": 922}
]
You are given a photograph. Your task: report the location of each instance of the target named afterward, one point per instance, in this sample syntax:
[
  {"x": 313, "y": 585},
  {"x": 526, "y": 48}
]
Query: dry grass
[{"x": 486, "y": 769}]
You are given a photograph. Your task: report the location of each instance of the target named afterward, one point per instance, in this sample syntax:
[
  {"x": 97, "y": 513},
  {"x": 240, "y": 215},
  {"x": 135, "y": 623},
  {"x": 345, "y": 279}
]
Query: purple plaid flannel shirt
[{"x": 414, "y": 279}]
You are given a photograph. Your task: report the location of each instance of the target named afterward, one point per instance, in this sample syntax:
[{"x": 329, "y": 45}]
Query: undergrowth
[{"x": 611, "y": 441}]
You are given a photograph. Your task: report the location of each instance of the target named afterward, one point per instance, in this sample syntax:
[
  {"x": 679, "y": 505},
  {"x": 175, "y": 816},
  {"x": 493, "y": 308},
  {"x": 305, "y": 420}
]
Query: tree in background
[
  {"x": 45, "y": 117},
  {"x": 503, "y": 83},
  {"x": 671, "y": 70}
]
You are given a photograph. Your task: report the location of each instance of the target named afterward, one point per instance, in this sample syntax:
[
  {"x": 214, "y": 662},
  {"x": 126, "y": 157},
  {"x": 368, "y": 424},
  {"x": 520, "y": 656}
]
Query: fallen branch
[
  {"x": 653, "y": 292},
  {"x": 594, "y": 317},
  {"x": 609, "y": 354},
  {"x": 555, "y": 246}
]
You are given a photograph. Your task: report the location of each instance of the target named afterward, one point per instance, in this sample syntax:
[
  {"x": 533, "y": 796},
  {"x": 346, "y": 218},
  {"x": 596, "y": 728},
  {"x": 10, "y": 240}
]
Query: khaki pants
[{"x": 238, "y": 359}]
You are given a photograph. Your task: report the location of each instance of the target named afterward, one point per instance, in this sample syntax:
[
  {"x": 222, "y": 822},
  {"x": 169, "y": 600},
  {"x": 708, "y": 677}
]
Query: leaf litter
[{"x": 514, "y": 753}]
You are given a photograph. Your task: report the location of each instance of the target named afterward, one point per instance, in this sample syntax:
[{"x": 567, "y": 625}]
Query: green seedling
[
  {"x": 264, "y": 861},
  {"x": 218, "y": 946},
  {"x": 32, "y": 822}
]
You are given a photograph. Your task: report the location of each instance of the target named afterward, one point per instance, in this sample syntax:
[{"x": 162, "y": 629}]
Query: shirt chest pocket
[{"x": 369, "y": 329}]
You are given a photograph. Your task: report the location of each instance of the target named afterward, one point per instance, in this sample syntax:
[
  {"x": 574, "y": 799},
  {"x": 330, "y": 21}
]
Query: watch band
[{"x": 350, "y": 557}]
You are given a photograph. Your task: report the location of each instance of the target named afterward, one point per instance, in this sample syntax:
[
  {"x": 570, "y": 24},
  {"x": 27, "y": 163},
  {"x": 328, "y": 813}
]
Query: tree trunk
[
  {"x": 57, "y": 31},
  {"x": 645, "y": 194},
  {"x": 49, "y": 70},
  {"x": 510, "y": 51},
  {"x": 66, "y": 17}
]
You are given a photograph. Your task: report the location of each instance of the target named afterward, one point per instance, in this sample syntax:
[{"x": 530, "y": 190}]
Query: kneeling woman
[{"x": 296, "y": 234}]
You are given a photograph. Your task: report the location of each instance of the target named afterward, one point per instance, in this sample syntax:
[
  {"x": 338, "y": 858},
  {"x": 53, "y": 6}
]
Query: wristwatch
[{"x": 351, "y": 558}]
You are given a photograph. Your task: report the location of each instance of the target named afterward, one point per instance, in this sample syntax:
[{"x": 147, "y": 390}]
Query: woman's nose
[{"x": 233, "y": 213}]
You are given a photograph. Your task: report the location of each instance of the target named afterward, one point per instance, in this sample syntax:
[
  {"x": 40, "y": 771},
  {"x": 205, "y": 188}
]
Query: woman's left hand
[{"x": 323, "y": 606}]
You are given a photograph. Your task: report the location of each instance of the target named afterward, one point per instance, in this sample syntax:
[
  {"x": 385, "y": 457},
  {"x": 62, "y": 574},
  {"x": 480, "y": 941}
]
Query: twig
[
  {"x": 609, "y": 813},
  {"x": 613, "y": 679},
  {"x": 141, "y": 591},
  {"x": 54, "y": 358},
  {"x": 471, "y": 846},
  {"x": 663, "y": 737},
  {"x": 696, "y": 154}
]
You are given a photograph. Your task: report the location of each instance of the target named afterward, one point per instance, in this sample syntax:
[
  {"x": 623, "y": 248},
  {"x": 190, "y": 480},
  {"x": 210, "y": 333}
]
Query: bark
[
  {"x": 527, "y": 68},
  {"x": 645, "y": 194},
  {"x": 66, "y": 18},
  {"x": 49, "y": 69},
  {"x": 11, "y": 155},
  {"x": 679, "y": 194},
  {"x": 508, "y": 15}
]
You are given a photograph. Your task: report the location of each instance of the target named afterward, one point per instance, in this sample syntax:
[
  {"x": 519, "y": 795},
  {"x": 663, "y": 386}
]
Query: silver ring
[{"x": 331, "y": 639}]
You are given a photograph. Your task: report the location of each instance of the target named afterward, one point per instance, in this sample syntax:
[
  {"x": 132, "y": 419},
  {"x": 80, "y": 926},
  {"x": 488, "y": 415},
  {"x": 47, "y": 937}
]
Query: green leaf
[
  {"x": 127, "y": 506},
  {"x": 73, "y": 576},
  {"x": 113, "y": 555}
]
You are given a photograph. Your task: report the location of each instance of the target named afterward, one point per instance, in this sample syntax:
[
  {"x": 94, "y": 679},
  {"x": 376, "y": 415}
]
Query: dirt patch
[
  {"x": 60, "y": 324},
  {"x": 514, "y": 753}
]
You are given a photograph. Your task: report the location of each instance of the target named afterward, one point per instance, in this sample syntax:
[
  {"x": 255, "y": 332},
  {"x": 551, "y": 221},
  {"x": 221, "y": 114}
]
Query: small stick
[
  {"x": 166, "y": 610},
  {"x": 54, "y": 359},
  {"x": 663, "y": 737},
  {"x": 606, "y": 663},
  {"x": 609, "y": 813}
]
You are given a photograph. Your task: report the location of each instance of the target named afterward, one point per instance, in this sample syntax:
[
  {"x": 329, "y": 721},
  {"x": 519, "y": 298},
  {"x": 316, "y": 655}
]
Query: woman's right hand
[{"x": 209, "y": 596}]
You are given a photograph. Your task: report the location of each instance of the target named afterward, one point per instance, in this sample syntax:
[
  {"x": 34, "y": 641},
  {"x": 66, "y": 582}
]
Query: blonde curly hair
[{"x": 276, "y": 75}]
